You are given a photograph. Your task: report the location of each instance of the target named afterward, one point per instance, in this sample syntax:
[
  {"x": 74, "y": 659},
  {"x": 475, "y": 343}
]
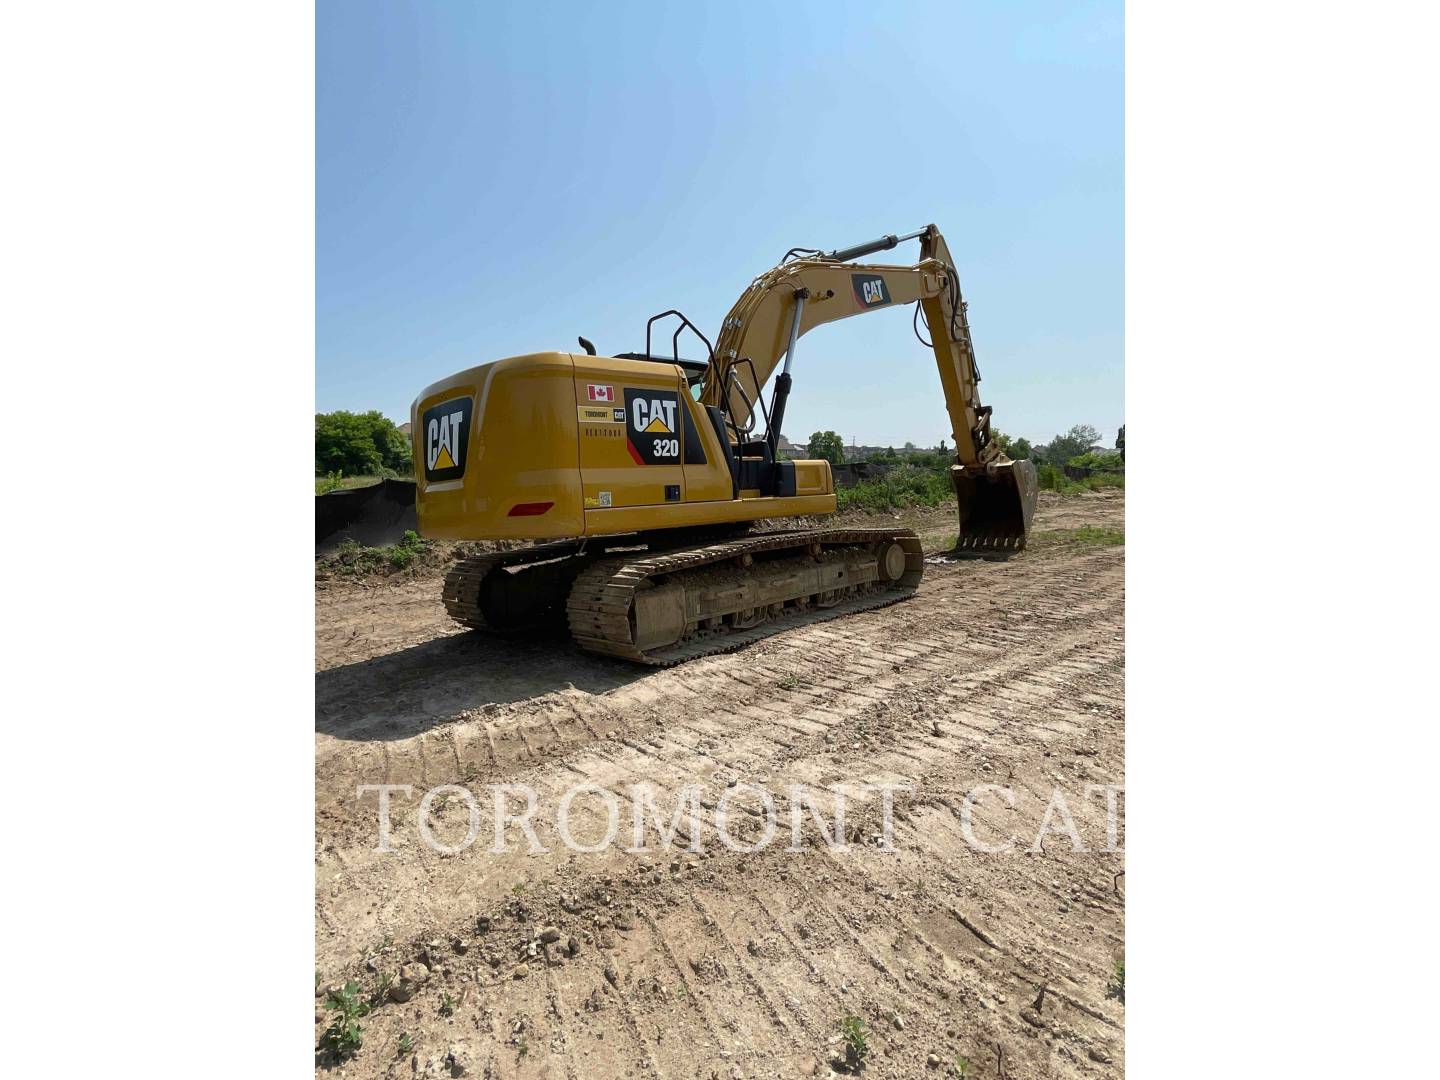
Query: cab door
[{"x": 707, "y": 472}]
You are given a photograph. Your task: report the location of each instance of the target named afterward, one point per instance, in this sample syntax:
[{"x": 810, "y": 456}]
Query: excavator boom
[{"x": 996, "y": 496}]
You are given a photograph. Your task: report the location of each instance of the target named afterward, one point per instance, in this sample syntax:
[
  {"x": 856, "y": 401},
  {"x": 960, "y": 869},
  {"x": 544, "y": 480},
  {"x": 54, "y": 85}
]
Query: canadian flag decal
[{"x": 601, "y": 393}]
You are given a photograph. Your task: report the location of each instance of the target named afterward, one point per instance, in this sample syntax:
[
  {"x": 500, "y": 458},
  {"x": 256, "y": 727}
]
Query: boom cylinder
[
  {"x": 782, "y": 381},
  {"x": 885, "y": 243}
]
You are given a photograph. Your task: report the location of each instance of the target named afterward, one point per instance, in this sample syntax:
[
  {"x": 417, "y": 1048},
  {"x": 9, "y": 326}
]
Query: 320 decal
[{"x": 651, "y": 426}]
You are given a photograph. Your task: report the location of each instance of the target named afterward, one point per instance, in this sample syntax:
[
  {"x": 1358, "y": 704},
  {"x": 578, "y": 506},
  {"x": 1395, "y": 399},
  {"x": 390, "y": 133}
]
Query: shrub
[
  {"x": 331, "y": 481},
  {"x": 343, "y": 1037},
  {"x": 351, "y": 559},
  {"x": 1049, "y": 478},
  {"x": 857, "y": 1049},
  {"x": 1099, "y": 463},
  {"x": 401, "y": 555},
  {"x": 906, "y": 485},
  {"x": 1116, "y": 989}
]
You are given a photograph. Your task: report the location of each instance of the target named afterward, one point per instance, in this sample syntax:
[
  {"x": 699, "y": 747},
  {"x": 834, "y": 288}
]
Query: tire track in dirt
[
  {"x": 837, "y": 710},
  {"x": 1020, "y": 664}
]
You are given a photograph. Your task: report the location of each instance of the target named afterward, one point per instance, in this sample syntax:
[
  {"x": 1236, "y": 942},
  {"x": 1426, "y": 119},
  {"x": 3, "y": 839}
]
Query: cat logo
[
  {"x": 870, "y": 290},
  {"x": 654, "y": 416},
  {"x": 446, "y": 432}
]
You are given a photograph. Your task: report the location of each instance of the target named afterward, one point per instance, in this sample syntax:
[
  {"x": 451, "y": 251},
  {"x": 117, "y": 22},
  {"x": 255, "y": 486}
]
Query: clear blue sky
[{"x": 495, "y": 179}]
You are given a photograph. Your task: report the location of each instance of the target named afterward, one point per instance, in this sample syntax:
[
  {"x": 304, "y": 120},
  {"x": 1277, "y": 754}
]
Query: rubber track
[
  {"x": 602, "y": 594},
  {"x": 461, "y": 592}
]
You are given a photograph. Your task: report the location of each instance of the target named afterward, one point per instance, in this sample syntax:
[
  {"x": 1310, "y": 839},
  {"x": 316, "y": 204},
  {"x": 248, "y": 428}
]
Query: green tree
[
  {"x": 359, "y": 444},
  {"x": 1015, "y": 449},
  {"x": 827, "y": 445},
  {"x": 1073, "y": 443},
  {"x": 1120, "y": 441}
]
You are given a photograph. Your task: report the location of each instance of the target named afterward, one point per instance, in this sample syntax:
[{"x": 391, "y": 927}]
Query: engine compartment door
[{"x": 631, "y": 419}]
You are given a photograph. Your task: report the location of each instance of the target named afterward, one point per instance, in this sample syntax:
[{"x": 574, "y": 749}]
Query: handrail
[{"x": 675, "y": 341}]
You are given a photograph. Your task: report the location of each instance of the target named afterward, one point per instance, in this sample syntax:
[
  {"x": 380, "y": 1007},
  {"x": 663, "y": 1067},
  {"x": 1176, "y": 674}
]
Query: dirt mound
[{"x": 373, "y": 516}]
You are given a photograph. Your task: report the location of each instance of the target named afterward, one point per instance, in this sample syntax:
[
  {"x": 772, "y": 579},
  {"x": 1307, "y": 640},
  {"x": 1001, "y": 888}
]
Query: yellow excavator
[{"x": 647, "y": 477}]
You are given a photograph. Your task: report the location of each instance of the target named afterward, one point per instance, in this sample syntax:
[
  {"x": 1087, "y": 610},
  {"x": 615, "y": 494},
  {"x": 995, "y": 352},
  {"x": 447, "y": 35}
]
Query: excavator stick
[{"x": 996, "y": 504}]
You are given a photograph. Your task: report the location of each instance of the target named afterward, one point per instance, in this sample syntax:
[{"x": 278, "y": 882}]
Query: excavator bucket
[{"x": 997, "y": 502}]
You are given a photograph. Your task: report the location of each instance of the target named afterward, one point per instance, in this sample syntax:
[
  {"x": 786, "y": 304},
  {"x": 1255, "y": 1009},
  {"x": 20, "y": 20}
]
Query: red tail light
[{"x": 530, "y": 509}]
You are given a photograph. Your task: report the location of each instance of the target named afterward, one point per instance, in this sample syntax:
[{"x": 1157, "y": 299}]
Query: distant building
[
  {"x": 785, "y": 450},
  {"x": 405, "y": 429},
  {"x": 854, "y": 452}
]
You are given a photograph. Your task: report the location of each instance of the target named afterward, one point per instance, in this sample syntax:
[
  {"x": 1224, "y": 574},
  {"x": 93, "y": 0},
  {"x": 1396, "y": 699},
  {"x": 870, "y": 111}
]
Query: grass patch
[
  {"x": 1094, "y": 534},
  {"x": 382, "y": 987},
  {"x": 1085, "y": 536},
  {"x": 335, "y": 482},
  {"x": 351, "y": 559}
]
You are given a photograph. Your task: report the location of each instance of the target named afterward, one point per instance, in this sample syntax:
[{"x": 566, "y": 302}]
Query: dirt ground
[{"x": 717, "y": 963}]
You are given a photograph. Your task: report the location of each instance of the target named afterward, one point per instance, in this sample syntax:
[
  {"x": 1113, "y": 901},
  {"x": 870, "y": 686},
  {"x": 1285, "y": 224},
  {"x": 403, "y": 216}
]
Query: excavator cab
[{"x": 754, "y": 465}]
